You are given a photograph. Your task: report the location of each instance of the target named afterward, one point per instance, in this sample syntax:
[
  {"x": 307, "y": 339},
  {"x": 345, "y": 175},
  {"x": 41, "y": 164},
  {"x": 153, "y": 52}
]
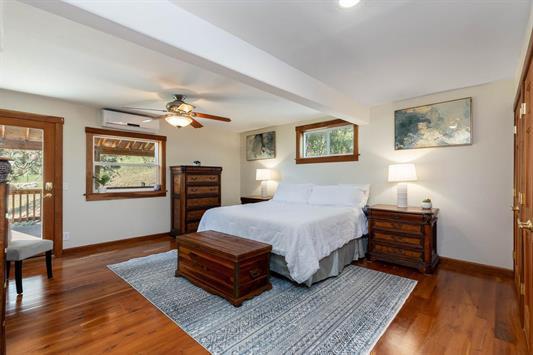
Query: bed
[{"x": 311, "y": 239}]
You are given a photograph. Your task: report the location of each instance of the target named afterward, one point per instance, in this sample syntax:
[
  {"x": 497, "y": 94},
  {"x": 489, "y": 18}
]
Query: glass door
[{"x": 24, "y": 147}]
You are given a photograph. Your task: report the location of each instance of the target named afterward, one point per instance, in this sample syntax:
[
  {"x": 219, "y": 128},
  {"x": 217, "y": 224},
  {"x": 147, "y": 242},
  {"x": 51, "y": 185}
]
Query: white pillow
[
  {"x": 295, "y": 193},
  {"x": 365, "y": 190},
  {"x": 336, "y": 195}
]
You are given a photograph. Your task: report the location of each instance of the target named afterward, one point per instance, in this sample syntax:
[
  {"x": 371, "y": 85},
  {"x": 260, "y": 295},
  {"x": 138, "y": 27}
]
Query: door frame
[{"x": 58, "y": 167}]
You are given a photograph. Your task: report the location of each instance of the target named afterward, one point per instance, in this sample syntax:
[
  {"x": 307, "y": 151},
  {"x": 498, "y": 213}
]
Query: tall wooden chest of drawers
[
  {"x": 404, "y": 236},
  {"x": 194, "y": 190}
]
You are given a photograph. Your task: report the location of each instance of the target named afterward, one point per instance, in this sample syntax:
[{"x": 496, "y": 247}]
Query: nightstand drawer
[
  {"x": 411, "y": 217},
  {"x": 400, "y": 240},
  {"x": 414, "y": 255},
  {"x": 397, "y": 226},
  {"x": 404, "y": 236}
]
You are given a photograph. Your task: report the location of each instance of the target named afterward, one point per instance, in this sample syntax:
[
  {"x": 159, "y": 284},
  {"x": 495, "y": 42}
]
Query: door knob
[
  {"x": 48, "y": 195},
  {"x": 525, "y": 225}
]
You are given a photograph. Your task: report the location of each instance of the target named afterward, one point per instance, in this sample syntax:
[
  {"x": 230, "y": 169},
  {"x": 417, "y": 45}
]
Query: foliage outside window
[
  {"x": 331, "y": 141},
  {"x": 26, "y": 167},
  {"x": 124, "y": 165}
]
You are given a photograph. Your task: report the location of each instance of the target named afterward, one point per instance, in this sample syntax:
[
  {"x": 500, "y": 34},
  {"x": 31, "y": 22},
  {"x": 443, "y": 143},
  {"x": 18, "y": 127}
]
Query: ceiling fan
[{"x": 178, "y": 113}]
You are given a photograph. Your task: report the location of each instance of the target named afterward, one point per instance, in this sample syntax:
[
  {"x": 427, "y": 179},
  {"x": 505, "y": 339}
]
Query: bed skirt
[{"x": 331, "y": 265}]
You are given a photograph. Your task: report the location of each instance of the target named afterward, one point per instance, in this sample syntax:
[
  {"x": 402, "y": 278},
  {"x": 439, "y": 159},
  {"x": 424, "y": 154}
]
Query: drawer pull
[
  {"x": 194, "y": 190},
  {"x": 254, "y": 273}
]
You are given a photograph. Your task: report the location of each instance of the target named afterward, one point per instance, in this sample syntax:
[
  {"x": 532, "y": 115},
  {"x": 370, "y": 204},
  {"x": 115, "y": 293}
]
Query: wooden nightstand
[
  {"x": 404, "y": 236},
  {"x": 254, "y": 199}
]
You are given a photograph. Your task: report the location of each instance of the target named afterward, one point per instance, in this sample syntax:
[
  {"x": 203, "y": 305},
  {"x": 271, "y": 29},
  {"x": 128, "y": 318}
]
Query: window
[
  {"x": 124, "y": 165},
  {"x": 331, "y": 141}
]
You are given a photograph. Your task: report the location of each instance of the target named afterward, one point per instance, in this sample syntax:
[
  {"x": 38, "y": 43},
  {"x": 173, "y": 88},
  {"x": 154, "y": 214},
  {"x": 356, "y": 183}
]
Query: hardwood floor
[{"x": 86, "y": 308}]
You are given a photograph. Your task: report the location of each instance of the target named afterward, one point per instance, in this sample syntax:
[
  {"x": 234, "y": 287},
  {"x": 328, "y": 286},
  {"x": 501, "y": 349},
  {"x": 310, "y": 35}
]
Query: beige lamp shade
[
  {"x": 263, "y": 174},
  {"x": 402, "y": 172}
]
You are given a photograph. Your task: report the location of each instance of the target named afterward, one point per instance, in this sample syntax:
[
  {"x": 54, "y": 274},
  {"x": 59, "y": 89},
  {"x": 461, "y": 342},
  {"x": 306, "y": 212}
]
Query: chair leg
[
  {"x": 8, "y": 269},
  {"x": 18, "y": 275},
  {"x": 49, "y": 264}
]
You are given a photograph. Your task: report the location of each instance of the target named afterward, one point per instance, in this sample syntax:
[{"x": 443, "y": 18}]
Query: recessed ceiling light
[{"x": 348, "y": 3}]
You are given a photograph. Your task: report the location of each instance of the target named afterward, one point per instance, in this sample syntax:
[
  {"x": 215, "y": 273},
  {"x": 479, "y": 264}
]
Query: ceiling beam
[{"x": 164, "y": 27}]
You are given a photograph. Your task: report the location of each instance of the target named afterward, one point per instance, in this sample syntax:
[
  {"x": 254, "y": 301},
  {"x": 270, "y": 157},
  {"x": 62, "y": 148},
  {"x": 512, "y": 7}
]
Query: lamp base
[
  {"x": 402, "y": 195},
  {"x": 264, "y": 188}
]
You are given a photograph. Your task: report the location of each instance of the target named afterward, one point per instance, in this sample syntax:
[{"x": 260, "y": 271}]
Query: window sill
[
  {"x": 330, "y": 159},
  {"x": 123, "y": 195}
]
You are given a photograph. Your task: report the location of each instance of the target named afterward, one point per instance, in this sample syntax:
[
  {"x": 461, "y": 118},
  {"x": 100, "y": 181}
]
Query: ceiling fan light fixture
[
  {"x": 348, "y": 3},
  {"x": 178, "y": 120},
  {"x": 184, "y": 107}
]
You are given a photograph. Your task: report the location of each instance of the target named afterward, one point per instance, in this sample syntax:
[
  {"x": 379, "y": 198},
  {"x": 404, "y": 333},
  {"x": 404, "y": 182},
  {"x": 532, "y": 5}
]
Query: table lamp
[
  {"x": 402, "y": 173},
  {"x": 263, "y": 175}
]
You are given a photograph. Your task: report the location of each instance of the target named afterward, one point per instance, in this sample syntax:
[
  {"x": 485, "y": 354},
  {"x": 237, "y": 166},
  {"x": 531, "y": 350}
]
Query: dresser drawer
[
  {"x": 397, "y": 226},
  {"x": 202, "y": 190},
  {"x": 400, "y": 240},
  {"x": 196, "y": 215},
  {"x": 192, "y": 227},
  {"x": 414, "y": 255},
  {"x": 202, "y": 202},
  {"x": 397, "y": 216},
  {"x": 202, "y": 179}
]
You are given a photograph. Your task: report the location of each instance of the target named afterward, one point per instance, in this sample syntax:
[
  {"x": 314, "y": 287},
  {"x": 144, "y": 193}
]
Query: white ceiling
[
  {"x": 376, "y": 52},
  {"x": 381, "y": 50},
  {"x": 49, "y": 55}
]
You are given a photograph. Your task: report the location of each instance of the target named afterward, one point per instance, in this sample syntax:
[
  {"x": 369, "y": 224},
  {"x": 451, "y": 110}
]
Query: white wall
[
  {"x": 101, "y": 221},
  {"x": 525, "y": 44},
  {"x": 472, "y": 185}
]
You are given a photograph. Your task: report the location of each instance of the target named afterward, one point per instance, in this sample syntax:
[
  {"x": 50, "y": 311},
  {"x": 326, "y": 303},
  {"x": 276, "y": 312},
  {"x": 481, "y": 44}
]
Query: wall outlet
[
  {"x": 65, "y": 186},
  {"x": 66, "y": 235}
]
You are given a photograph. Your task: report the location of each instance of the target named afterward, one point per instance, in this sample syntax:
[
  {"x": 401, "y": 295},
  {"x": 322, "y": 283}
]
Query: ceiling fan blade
[
  {"x": 144, "y": 109},
  {"x": 142, "y": 114},
  {"x": 196, "y": 124},
  {"x": 211, "y": 117}
]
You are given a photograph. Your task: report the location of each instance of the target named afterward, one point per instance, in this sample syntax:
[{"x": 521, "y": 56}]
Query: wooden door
[
  {"x": 526, "y": 212},
  {"x": 518, "y": 187},
  {"x": 51, "y": 197},
  {"x": 3, "y": 243}
]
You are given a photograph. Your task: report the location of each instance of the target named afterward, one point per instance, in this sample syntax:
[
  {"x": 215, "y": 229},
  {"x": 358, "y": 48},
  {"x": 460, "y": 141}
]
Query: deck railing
[{"x": 24, "y": 205}]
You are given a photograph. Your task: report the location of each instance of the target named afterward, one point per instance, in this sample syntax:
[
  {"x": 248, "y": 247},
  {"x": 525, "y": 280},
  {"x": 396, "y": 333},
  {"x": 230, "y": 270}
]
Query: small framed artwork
[
  {"x": 261, "y": 146},
  {"x": 442, "y": 124}
]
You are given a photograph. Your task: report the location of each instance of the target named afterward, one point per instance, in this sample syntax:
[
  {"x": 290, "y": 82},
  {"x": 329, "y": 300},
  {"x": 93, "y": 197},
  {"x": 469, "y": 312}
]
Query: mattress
[{"x": 303, "y": 234}]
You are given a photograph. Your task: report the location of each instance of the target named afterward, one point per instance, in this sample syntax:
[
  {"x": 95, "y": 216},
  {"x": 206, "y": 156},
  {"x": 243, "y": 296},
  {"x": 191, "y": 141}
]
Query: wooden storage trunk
[{"x": 231, "y": 267}]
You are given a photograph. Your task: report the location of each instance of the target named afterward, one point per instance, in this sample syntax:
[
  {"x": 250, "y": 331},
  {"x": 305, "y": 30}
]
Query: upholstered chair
[{"x": 22, "y": 246}]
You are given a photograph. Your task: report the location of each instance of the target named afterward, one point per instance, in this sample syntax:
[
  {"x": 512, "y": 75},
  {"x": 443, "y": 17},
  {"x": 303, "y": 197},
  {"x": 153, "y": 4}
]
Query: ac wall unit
[{"x": 128, "y": 121}]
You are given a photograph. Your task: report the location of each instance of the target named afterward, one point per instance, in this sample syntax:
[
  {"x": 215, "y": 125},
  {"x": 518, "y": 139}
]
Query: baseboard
[
  {"x": 120, "y": 242},
  {"x": 462, "y": 265}
]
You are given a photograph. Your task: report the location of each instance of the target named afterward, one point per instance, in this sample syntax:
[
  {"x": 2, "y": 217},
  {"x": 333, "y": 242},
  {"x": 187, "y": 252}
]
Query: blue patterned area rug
[{"x": 343, "y": 315}]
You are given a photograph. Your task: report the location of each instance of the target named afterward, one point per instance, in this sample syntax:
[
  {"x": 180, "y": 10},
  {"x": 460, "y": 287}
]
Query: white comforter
[{"x": 302, "y": 233}]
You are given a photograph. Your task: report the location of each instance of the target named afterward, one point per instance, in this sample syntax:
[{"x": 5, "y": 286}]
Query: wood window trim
[
  {"x": 90, "y": 195},
  {"x": 300, "y": 130}
]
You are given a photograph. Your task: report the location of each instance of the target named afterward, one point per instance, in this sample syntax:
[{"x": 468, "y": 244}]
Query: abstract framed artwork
[
  {"x": 261, "y": 146},
  {"x": 441, "y": 124}
]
